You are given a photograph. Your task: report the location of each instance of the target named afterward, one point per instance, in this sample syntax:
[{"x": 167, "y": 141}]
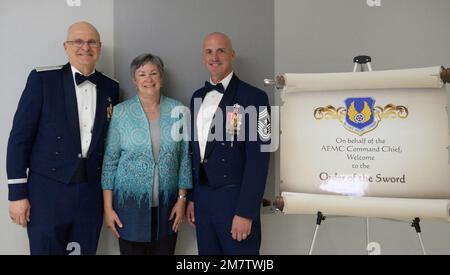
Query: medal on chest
[
  {"x": 234, "y": 122},
  {"x": 109, "y": 110}
]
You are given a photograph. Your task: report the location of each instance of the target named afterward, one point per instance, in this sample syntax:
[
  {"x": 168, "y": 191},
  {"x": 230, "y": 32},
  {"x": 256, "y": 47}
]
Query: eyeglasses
[{"x": 80, "y": 43}]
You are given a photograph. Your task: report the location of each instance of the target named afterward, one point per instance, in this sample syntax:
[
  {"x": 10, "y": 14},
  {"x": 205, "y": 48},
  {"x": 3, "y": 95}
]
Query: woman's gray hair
[{"x": 144, "y": 59}]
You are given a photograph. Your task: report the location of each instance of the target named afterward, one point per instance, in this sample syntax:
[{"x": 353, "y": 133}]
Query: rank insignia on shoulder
[{"x": 49, "y": 68}]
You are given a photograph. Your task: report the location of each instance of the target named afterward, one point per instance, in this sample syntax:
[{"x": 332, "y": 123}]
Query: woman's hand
[
  {"x": 111, "y": 219},
  {"x": 178, "y": 212}
]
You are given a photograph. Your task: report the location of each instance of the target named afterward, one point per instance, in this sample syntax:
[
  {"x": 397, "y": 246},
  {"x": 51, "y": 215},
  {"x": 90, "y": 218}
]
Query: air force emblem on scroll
[{"x": 360, "y": 115}]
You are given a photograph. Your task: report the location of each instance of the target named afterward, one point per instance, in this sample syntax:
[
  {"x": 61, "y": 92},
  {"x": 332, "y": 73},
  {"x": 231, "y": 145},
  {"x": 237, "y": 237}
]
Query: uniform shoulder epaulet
[
  {"x": 49, "y": 68},
  {"x": 107, "y": 76}
]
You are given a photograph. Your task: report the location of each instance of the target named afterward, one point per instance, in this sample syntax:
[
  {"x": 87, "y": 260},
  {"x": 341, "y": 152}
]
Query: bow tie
[
  {"x": 219, "y": 87},
  {"x": 79, "y": 78}
]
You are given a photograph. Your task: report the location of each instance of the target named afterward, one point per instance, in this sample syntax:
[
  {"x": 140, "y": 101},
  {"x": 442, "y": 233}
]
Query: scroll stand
[{"x": 365, "y": 63}]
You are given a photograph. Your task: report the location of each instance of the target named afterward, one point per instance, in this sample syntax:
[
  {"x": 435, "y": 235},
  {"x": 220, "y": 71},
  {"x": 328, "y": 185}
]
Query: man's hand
[
  {"x": 19, "y": 211},
  {"x": 241, "y": 228},
  {"x": 190, "y": 214}
]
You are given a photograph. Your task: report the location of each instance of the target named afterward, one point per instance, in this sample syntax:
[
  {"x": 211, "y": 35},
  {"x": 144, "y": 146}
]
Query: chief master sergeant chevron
[{"x": 55, "y": 148}]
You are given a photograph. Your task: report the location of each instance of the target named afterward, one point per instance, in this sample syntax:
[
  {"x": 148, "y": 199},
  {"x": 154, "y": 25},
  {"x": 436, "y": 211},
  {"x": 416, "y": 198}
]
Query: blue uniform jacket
[
  {"x": 238, "y": 162},
  {"x": 128, "y": 166},
  {"x": 45, "y": 137}
]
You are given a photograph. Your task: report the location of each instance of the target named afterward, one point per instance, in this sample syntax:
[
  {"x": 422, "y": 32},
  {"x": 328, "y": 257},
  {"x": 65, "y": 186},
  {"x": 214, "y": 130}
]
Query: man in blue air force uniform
[
  {"x": 230, "y": 126},
  {"x": 55, "y": 149}
]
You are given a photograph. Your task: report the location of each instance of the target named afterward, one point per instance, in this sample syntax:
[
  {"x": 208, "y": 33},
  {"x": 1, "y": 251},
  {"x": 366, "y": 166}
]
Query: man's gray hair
[{"x": 144, "y": 59}]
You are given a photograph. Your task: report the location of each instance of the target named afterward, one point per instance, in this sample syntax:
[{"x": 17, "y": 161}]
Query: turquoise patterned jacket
[{"x": 128, "y": 165}]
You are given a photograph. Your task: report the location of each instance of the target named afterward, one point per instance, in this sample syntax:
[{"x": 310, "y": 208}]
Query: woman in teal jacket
[{"x": 147, "y": 165}]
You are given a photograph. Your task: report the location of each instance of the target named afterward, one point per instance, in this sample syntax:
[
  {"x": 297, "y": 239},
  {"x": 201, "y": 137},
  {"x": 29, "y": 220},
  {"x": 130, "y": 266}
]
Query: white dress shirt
[
  {"x": 87, "y": 101},
  {"x": 206, "y": 113}
]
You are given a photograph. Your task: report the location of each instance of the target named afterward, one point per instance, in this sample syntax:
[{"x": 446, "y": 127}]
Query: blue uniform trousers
[
  {"x": 63, "y": 214},
  {"x": 214, "y": 212}
]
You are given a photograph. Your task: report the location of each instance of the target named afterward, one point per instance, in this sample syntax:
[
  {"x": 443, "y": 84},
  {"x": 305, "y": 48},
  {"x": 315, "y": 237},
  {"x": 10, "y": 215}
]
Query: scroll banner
[{"x": 366, "y": 144}]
